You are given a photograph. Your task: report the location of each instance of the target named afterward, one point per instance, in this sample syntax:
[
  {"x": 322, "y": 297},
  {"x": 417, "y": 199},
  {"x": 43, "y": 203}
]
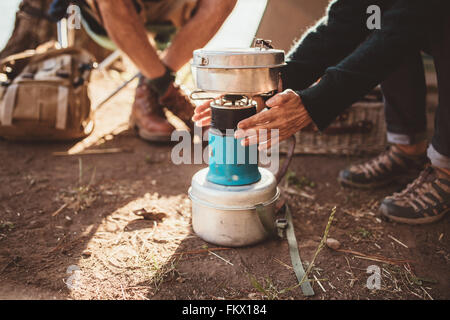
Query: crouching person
[
  {"x": 349, "y": 59},
  {"x": 126, "y": 22}
]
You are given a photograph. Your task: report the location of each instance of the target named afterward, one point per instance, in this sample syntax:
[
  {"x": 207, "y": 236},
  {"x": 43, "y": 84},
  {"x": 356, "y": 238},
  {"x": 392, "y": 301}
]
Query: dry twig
[
  {"x": 398, "y": 241},
  {"x": 91, "y": 151},
  {"x": 215, "y": 254},
  {"x": 54, "y": 214},
  {"x": 377, "y": 258}
]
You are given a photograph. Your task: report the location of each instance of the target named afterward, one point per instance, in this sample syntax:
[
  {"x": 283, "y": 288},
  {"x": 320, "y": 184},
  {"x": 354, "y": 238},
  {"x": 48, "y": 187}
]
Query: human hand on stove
[
  {"x": 286, "y": 115},
  {"x": 202, "y": 114}
]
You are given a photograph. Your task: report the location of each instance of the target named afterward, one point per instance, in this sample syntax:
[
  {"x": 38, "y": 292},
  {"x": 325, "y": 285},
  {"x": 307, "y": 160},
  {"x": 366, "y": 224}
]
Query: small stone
[
  {"x": 86, "y": 253},
  {"x": 253, "y": 296},
  {"x": 333, "y": 244},
  {"x": 180, "y": 280}
]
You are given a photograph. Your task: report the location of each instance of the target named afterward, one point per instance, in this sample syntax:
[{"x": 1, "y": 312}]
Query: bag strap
[
  {"x": 62, "y": 107},
  {"x": 7, "y": 105},
  {"x": 284, "y": 228},
  {"x": 297, "y": 264}
]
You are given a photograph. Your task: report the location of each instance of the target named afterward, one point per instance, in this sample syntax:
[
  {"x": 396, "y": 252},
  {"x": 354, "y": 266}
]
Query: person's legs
[
  {"x": 147, "y": 116},
  {"x": 427, "y": 199},
  {"x": 404, "y": 93},
  {"x": 127, "y": 30},
  {"x": 439, "y": 150},
  {"x": 404, "y": 99},
  {"x": 194, "y": 34},
  {"x": 201, "y": 27}
]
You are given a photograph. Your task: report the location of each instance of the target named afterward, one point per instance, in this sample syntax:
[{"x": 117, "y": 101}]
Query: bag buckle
[{"x": 281, "y": 227}]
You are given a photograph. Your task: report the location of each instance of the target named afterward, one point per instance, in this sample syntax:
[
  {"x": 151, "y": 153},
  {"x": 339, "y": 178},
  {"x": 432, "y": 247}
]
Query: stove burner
[
  {"x": 233, "y": 97},
  {"x": 234, "y": 101}
]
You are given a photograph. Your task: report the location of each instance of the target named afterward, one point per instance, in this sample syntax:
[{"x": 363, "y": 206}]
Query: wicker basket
[{"x": 360, "y": 130}]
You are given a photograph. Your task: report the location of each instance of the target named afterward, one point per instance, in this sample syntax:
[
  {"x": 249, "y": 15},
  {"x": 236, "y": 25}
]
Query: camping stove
[{"x": 233, "y": 200}]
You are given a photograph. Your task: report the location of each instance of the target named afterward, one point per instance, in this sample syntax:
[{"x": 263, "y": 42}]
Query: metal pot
[
  {"x": 227, "y": 215},
  {"x": 248, "y": 71}
]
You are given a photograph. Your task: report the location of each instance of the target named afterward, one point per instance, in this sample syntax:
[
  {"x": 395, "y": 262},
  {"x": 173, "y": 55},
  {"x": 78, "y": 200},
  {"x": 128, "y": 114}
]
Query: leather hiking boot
[
  {"x": 177, "y": 102},
  {"x": 147, "y": 116},
  {"x": 425, "y": 200},
  {"x": 382, "y": 170}
]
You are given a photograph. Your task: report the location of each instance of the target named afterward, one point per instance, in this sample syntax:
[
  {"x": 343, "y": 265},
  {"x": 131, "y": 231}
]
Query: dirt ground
[{"x": 68, "y": 228}]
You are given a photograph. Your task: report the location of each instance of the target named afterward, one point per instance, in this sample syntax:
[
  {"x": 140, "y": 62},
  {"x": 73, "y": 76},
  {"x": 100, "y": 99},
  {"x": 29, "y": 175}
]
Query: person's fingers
[
  {"x": 274, "y": 118},
  {"x": 280, "y": 98},
  {"x": 257, "y": 139},
  {"x": 259, "y": 103},
  {"x": 239, "y": 133},
  {"x": 258, "y": 136},
  {"x": 259, "y": 118},
  {"x": 268, "y": 144},
  {"x": 203, "y": 107},
  {"x": 271, "y": 142},
  {"x": 203, "y": 122},
  {"x": 256, "y": 130},
  {"x": 251, "y": 140},
  {"x": 265, "y": 145},
  {"x": 304, "y": 121},
  {"x": 201, "y": 115}
]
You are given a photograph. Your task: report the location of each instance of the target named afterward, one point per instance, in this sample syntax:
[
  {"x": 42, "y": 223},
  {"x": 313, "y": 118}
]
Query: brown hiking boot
[
  {"x": 425, "y": 200},
  {"x": 382, "y": 170},
  {"x": 176, "y": 101},
  {"x": 147, "y": 116}
]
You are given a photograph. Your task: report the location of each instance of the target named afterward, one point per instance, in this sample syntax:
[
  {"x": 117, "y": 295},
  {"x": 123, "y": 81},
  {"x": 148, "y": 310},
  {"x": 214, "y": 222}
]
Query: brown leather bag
[{"x": 45, "y": 96}]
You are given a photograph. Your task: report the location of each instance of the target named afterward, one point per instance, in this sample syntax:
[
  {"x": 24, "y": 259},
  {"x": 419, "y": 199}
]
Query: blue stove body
[{"x": 230, "y": 163}]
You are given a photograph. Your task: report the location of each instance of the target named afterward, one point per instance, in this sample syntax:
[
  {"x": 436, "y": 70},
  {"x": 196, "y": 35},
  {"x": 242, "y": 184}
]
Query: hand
[
  {"x": 287, "y": 114},
  {"x": 202, "y": 114}
]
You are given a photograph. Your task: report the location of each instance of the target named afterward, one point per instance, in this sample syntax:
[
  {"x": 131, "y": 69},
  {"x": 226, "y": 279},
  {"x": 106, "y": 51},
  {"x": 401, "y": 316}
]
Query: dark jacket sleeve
[
  {"x": 335, "y": 36},
  {"x": 405, "y": 27}
]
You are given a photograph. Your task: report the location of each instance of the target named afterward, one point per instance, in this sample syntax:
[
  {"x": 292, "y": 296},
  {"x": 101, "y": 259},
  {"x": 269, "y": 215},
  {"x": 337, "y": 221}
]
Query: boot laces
[
  {"x": 415, "y": 192},
  {"x": 370, "y": 167}
]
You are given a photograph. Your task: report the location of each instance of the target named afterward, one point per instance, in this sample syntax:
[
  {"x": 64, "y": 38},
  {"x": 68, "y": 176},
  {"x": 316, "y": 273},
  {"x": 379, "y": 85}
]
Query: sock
[
  {"x": 161, "y": 84},
  {"x": 413, "y": 149}
]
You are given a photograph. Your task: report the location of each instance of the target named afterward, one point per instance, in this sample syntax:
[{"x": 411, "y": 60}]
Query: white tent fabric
[{"x": 239, "y": 30}]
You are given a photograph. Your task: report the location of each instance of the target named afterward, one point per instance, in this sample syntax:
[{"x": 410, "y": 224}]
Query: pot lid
[
  {"x": 229, "y": 58},
  {"x": 234, "y": 197}
]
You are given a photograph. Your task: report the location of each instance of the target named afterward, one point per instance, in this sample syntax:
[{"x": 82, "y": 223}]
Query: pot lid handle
[{"x": 262, "y": 44}]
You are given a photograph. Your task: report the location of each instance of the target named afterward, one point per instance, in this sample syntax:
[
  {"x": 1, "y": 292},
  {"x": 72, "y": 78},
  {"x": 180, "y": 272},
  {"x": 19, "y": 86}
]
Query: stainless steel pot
[
  {"x": 227, "y": 215},
  {"x": 249, "y": 71}
]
